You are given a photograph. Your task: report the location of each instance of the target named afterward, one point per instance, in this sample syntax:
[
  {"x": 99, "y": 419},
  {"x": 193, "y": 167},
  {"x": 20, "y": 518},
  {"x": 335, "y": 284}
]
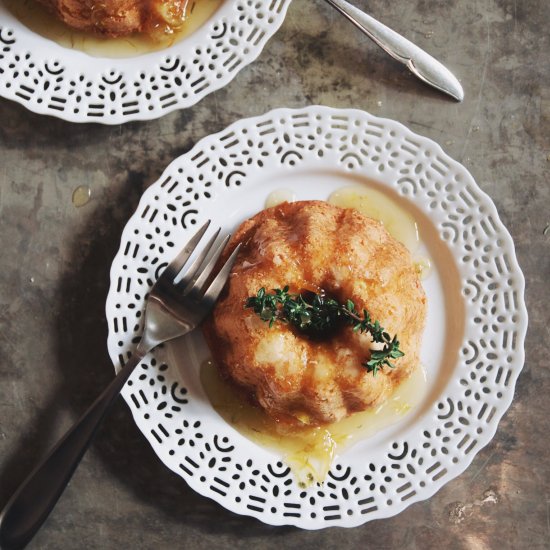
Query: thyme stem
[{"x": 314, "y": 313}]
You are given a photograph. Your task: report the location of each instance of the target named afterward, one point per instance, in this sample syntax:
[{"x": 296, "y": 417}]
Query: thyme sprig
[{"x": 316, "y": 314}]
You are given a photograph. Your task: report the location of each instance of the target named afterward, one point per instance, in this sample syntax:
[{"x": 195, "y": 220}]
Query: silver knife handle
[{"x": 420, "y": 63}]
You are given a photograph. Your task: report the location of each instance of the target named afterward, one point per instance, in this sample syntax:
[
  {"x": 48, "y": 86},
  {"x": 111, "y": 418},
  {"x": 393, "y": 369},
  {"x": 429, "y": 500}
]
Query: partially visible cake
[{"x": 114, "y": 18}]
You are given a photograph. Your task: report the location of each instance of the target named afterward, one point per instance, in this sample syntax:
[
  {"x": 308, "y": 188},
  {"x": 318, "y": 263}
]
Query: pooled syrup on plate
[
  {"x": 39, "y": 20},
  {"x": 423, "y": 267},
  {"x": 278, "y": 197},
  {"x": 374, "y": 204},
  {"x": 308, "y": 451},
  {"x": 398, "y": 222}
]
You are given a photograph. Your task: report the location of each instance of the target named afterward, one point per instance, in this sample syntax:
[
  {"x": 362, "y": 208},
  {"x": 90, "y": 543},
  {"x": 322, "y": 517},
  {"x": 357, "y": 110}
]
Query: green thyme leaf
[{"x": 314, "y": 313}]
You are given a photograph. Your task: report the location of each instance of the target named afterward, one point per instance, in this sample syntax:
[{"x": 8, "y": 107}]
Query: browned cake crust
[
  {"x": 313, "y": 245},
  {"x": 120, "y": 17}
]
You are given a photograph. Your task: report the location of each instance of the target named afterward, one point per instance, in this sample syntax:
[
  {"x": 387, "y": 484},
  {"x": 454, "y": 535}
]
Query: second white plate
[{"x": 48, "y": 78}]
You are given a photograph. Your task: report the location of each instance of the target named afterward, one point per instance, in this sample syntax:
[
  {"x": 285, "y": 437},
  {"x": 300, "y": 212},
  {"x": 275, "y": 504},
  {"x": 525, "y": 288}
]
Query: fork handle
[{"x": 31, "y": 504}]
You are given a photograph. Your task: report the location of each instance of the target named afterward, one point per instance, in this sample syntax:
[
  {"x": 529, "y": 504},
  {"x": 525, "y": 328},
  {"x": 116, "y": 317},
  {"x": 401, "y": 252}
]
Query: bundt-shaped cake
[
  {"x": 316, "y": 247},
  {"x": 115, "y": 18}
]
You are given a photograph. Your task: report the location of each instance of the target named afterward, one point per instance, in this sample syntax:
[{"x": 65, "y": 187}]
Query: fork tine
[
  {"x": 216, "y": 286},
  {"x": 196, "y": 286},
  {"x": 176, "y": 265},
  {"x": 197, "y": 262}
]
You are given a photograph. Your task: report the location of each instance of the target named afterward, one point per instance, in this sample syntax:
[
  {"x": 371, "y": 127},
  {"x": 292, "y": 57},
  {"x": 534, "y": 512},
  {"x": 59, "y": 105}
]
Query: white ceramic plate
[
  {"x": 472, "y": 347},
  {"x": 50, "y": 79}
]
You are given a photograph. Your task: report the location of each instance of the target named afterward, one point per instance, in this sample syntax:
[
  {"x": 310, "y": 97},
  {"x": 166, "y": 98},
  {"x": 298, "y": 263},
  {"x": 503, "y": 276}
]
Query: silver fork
[{"x": 173, "y": 308}]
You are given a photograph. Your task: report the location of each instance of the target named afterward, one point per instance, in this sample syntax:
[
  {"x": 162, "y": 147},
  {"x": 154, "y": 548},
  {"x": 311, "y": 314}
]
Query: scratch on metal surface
[
  {"x": 427, "y": 126},
  {"x": 481, "y": 88},
  {"x": 482, "y": 466},
  {"x": 515, "y": 17},
  {"x": 546, "y": 229}
]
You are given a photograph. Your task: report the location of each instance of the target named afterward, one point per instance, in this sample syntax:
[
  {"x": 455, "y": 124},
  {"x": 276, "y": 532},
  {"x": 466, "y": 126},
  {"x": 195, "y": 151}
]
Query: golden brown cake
[
  {"x": 121, "y": 17},
  {"x": 314, "y": 246}
]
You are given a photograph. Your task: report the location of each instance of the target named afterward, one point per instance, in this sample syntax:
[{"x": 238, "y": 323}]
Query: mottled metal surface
[{"x": 56, "y": 259}]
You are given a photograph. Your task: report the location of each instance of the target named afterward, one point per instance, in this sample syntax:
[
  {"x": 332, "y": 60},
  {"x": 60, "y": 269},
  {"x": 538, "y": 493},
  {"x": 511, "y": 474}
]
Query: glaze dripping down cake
[{"x": 312, "y": 246}]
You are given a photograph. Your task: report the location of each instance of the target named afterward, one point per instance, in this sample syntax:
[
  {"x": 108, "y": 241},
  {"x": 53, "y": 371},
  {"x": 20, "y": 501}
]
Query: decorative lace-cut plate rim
[
  {"x": 69, "y": 84},
  {"x": 475, "y": 292}
]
